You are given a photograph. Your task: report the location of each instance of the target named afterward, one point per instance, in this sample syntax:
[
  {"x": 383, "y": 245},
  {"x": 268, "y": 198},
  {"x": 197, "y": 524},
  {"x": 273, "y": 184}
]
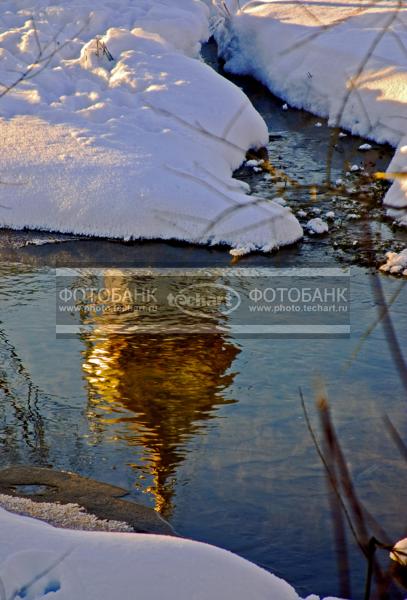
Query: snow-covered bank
[
  {"x": 141, "y": 146},
  {"x": 37, "y": 560},
  {"x": 345, "y": 61}
]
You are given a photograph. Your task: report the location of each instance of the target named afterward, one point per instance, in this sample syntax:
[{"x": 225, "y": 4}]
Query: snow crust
[
  {"x": 344, "y": 61},
  {"x": 141, "y": 146}
]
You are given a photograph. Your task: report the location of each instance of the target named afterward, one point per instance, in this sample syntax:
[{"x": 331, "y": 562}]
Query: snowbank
[
  {"x": 141, "y": 146},
  {"x": 345, "y": 61},
  {"x": 94, "y": 565}
]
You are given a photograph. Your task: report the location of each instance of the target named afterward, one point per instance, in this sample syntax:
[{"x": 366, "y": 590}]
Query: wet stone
[{"x": 103, "y": 500}]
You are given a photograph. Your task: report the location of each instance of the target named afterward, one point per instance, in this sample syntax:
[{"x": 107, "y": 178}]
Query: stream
[{"x": 209, "y": 429}]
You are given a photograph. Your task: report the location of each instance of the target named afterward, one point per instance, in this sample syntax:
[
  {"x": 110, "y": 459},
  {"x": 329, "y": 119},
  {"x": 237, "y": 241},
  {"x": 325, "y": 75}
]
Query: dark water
[{"x": 209, "y": 428}]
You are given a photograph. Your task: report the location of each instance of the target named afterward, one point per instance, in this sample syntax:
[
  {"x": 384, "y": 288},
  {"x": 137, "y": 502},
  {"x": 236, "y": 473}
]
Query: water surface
[{"x": 208, "y": 429}]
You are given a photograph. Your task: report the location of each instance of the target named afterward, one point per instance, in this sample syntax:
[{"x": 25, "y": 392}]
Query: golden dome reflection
[{"x": 155, "y": 392}]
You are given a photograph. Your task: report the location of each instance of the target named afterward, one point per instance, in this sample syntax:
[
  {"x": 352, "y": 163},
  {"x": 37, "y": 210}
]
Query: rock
[
  {"x": 100, "y": 499},
  {"x": 259, "y": 153}
]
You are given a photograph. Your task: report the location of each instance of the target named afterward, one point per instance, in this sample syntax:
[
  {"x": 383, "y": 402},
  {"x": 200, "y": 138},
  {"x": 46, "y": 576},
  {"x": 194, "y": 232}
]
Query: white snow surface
[
  {"x": 142, "y": 146},
  {"x": 346, "y": 61},
  {"x": 40, "y": 561}
]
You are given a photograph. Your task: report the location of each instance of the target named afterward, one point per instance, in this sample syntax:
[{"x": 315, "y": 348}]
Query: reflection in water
[
  {"x": 21, "y": 423},
  {"x": 170, "y": 385},
  {"x": 22, "y": 427}
]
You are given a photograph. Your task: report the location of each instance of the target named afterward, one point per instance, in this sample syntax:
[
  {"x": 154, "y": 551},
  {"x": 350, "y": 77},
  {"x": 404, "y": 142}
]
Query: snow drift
[
  {"x": 38, "y": 561},
  {"x": 123, "y": 132},
  {"x": 344, "y": 61}
]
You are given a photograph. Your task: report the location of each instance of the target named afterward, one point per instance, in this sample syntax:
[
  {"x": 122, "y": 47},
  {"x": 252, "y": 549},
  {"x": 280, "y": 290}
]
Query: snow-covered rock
[
  {"x": 396, "y": 263},
  {"x": 253, "y": 162},
  {"x": 141, "y": 146},
  {"x": 301, "y": 213},
  {"x": 344, "y": 61},
  {"x": 317, "y": 226}
]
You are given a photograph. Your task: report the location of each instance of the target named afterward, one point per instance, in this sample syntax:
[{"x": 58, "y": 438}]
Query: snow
[
  {"x": 142, "y": 146},
  {"x": 396, "y": 263},
  {"x": 396, "y": 197},
  {"x": 317, "y": 226},
  {"x": 94, "y": 565},
  {"x": 399, "y": 553},
  {"x": 365, "y": 147},
  {"x": 343, "y": 61},
  {"x": 253, "y": 163},
  {"x": 69, "y": 515}
]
